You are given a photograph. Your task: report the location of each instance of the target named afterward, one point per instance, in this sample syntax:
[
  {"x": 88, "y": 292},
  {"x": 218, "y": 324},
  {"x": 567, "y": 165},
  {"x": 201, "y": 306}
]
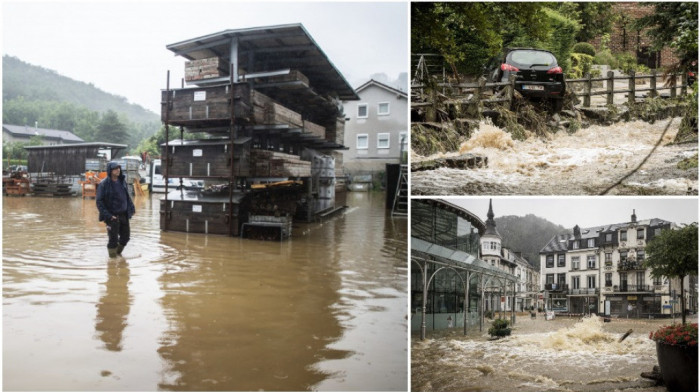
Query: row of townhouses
[{"x": 601, "y": 270}]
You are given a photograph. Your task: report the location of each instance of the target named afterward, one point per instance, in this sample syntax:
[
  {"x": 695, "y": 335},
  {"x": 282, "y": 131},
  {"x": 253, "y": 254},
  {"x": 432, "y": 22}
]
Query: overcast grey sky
[
  {"x": 586, "y": 211},
  {"x": 120, "y": 46}
]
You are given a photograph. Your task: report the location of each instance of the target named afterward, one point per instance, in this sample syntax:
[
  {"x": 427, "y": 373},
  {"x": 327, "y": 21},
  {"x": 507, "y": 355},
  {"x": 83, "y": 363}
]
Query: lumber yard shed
[
  {"x": 267, "y": 101},
  {"x": 56, "y": 170}
]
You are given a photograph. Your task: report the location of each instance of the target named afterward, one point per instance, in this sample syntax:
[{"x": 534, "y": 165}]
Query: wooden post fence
[
  {"x": 652, "y": 84},
  {"x": 611, "y": 87},
  {"x": 631, "y": 92},
  {"x": 587, "y": 91}
]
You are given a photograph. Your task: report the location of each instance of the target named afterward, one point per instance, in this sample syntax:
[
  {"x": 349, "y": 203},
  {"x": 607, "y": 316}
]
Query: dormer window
[{"x": 591, "y": 242}]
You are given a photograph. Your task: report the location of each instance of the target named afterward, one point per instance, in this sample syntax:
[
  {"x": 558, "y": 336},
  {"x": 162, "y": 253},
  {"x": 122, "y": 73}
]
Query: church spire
[{"x": 490, "y": 223}]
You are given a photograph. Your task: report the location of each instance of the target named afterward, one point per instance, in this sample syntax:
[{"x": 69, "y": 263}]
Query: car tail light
[
  {"x": 691, "y": 73},
  {"x": 508, "y": 67},
  {"x": 555, "y": 70}
]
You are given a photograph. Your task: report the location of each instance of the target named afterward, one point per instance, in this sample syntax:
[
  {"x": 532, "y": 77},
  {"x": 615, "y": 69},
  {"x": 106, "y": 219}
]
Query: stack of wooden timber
[
  {"x": 57, "y": 190},
  {"x": 205, "y": 103},
  {"x": 314, "y": 129},
  {"x": 265, "y": 163},
  {"x": 336, "y": 134},
  {"x": 288, "y": 79},
  {"x": 268, "y": 112},
  {"x": 212, "y": 67}
]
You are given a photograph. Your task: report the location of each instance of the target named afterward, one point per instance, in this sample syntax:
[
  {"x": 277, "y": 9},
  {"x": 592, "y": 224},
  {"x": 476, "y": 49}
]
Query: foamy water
[
  {"x": 586, "y": 162},
  {"x": 560, "y": 355}
]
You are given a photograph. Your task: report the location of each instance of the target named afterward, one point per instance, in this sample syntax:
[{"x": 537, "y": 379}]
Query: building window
[
  {"x": 657, "y": 281},
  {"x": 591, "y": 281},
  {"x": 608, "y": 259},
  {"x": 640, "y": 234},
  {"x": 623, "y": 235},
  {"x": 591, "y": 243},
  {"x": 575, "y": 244},
  {"x": 362, "y": 141},
  {"x": 382, "y": 140},
  {"x": 608, "y": 280},
  {"x": 657, "y": 231},
  {"x": 640, "y": 255},
  {"x": 575, "y": 282},
  {"x": 550, "y": 262},
  {"x": 608, "y": 237},
  {"x": 562, "y": 279},
  {"x": 575, "y": 263},
  {"x": 623, "y": 255},
  {"x": 591, "y": 262},
  {"x": 561, "y": 261},
  {"x": 550, "y": 278},
  {"x": 383, "y": 109},
  {"x": 362, "y": 110}
]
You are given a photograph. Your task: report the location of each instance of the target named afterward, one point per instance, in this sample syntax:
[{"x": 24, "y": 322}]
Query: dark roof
[
  {"x": 459, "y": 211},
  {"x": 100, "y": 145},
  {"x": 373, "y": 82},
  {"x": 559, "y": 243},
  {"x": 272, "y": 48},
  {"x": 57, "y": 134}
]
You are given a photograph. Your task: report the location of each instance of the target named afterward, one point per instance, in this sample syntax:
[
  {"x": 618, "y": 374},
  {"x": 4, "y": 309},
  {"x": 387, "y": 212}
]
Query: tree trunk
[{"x": 682, "y": 301}]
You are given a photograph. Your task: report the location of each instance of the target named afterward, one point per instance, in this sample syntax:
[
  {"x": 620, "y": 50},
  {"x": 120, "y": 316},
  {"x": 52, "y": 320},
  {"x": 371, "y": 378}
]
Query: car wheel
[{"x": 557, "y": 105}]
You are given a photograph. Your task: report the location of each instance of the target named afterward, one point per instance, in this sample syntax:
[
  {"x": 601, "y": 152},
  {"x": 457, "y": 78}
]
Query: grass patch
[{"x": 688, "y": 163}]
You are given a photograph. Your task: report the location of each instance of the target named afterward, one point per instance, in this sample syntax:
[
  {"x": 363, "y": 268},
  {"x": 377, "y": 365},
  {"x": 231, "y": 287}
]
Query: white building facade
[{"x": 600, "y": 270}]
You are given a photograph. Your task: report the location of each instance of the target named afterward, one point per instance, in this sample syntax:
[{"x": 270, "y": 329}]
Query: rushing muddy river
[
  {"x": 567, "y": 355},
  {"x": 325, "y": 310},
  {"x": 582, "y": 163}
]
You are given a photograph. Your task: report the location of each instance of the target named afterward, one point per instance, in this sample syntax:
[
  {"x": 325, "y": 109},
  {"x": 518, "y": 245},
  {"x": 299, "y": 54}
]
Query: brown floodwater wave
[
  {"x": 582, "y": 163},
  {"x": 325, "y": 310}
]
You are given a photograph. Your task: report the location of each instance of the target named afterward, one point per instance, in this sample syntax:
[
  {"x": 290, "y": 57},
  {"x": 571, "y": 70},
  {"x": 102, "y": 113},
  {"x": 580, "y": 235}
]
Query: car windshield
[{"x": 525, "y": 58}]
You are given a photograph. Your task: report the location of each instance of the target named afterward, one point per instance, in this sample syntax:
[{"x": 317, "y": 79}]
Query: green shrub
[
  {"x": 605, "y": 57},
  {"x": 565, "y": 30},
  {"x": 626, "y": 62},
  {"x": 499, "y": 328},
  {"x": 488, "y": 314},
  {"x": 580, "y": 65},
  {"x": 585, "y": 48}
]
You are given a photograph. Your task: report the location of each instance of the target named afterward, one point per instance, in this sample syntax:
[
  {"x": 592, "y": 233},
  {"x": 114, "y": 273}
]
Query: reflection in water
[
  {"x": 113, "y": 307},
  {"x": 325, "y": 310}
]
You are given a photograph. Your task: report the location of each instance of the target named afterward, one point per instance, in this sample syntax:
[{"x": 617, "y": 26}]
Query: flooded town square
[
  {"x": 325, "y": 310},
  {"x": 564, "y": 354}
]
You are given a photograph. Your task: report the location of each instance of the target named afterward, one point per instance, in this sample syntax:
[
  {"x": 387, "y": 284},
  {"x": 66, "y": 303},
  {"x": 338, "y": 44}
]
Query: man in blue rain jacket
[{"x": 116, "y": 208}]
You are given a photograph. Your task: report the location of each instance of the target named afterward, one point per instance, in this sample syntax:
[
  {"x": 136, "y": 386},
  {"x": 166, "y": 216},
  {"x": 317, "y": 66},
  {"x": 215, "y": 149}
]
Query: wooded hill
[
  {"x": 527, "y": 234},
  {"x": 32, "y": 93}
]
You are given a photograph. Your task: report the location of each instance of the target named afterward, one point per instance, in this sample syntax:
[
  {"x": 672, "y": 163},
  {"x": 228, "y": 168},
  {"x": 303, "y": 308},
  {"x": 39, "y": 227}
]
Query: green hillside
[
  {"x": 527, "y": 234},
  {"x": 32, "y": 93}
]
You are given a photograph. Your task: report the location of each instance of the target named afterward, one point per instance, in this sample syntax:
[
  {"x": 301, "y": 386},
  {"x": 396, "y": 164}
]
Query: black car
[{"x": 537, "y": 71}]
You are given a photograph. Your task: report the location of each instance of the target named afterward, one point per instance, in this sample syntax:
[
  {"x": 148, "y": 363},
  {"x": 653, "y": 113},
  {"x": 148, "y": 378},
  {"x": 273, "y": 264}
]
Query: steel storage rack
[{"x": 264, "y": 106}]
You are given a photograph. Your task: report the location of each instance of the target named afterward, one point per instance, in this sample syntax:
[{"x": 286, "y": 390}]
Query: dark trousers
[{"x": 118, "y": 231}]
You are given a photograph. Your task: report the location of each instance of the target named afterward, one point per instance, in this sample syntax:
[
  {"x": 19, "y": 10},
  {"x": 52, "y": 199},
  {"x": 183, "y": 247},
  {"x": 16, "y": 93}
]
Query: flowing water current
[
  {"x": 566, "y": 355},
  {"x": 325, "y": 310},
  {"x": 585, "y": 162}
]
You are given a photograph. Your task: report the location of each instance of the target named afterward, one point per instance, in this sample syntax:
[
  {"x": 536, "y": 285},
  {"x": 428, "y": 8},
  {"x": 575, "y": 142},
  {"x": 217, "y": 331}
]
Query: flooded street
[
  {"x": 583, "y": 163},
  {"x": 325, "y": 310},
  {"x": 560, "y": 355}
]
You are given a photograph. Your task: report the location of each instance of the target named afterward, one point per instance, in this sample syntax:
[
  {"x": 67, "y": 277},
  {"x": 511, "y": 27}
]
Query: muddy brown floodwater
[
  {"x": 564, "y": 355},
  {"x": 584, "y": 163},
  {"x": 324, "y": 311}
]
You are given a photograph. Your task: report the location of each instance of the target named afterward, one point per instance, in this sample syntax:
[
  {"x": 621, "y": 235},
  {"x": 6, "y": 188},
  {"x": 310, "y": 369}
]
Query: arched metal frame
[{"x": 485, "y": 276}]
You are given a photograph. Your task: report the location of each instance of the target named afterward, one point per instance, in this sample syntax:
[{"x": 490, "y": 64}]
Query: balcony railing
[
  {"x": 584, "y": 291},
  {"x": 633, "y": 288},
  {"x": 556, "y": 287},
  {"x": 630, "y": 265}
]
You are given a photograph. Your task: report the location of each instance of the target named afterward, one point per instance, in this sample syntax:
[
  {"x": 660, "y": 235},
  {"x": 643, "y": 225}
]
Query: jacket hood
[{"x": 113, "y": 165}]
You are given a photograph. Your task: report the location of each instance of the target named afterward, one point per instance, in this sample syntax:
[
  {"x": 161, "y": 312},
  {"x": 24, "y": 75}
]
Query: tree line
[{"x": 467, "y": 34}]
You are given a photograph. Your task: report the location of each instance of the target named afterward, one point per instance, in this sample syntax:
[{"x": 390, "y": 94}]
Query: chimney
[
  {"x": 577, "y": 232},
  {"x": 634, "y": 217}
]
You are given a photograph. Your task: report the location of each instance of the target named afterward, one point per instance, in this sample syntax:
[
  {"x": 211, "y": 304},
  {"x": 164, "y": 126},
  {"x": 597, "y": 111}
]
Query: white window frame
[
  {"x": 366, "y": 106},
  {"x": 591, "y": 242},
  {"x": 384, "y": 136},
  {"x": 388, "y": 109},
  {"x": 357, "y": 141}
]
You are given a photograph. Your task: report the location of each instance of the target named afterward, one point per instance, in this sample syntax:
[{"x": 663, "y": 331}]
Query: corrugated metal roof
[
  {"x": 272, "y": 48},
  {"x": 57, "y": 134}
]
